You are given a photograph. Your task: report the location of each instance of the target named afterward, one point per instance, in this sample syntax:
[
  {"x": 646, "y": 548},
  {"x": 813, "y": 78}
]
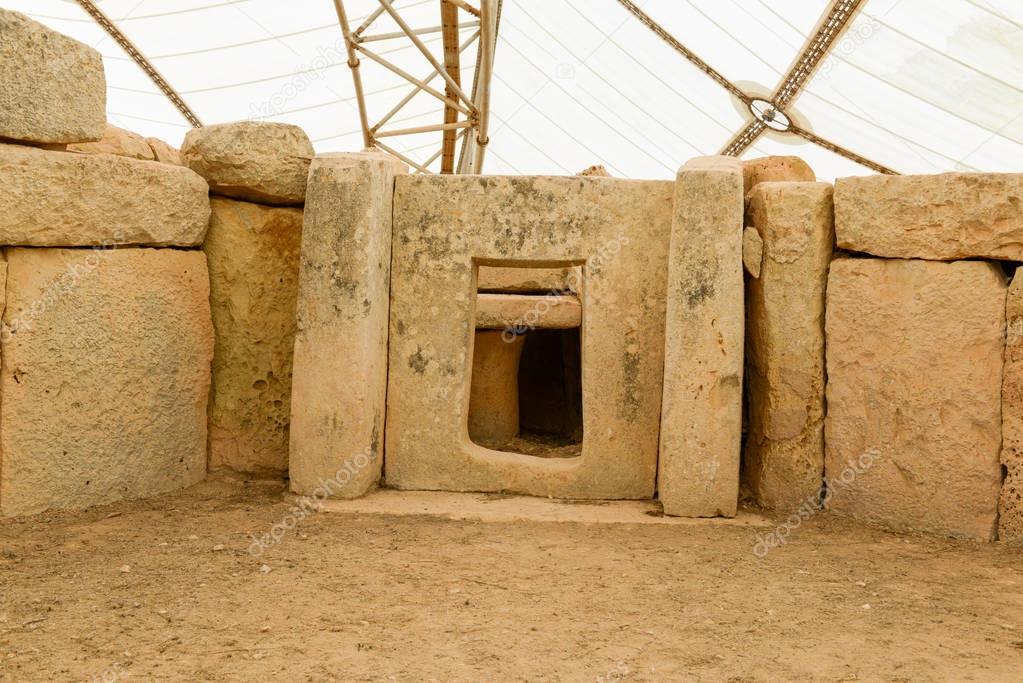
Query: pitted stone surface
[
  {"x": 256, "y": 161},
  {"x": 701, "y": 414},
  {"x": 784, "y": 454},
  {"x": 339, "y": 380},
  {"x": 914, "y": 358},
  {"x": 105, "y": 378},
  {"x": 57, "y": 199},
  {"x": 52, "y": 87},
  {"x": 444, "y": 225},
  {"x": 939, "y": 217},
  {"x": 253, "y": 254}
]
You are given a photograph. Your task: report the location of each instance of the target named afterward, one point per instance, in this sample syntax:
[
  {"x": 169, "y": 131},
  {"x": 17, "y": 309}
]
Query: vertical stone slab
[
  {"x": 340, "y": 366},
  {"x": 784, "y": 455},
  {"x": 105, "y": 377},
  {"x": 1010, "y": 508},
  {"x": 914, "y": 357},
  {"x": 253, "y": 254},
  {"x": 701, "y": 414}
]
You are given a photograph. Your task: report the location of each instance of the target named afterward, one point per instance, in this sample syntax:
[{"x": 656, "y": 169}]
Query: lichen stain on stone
[{"x": 417, "y": 361}]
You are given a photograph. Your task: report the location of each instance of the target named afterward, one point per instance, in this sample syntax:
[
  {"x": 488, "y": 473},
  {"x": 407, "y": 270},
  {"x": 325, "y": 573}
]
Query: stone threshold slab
[{"x": 486, "y": 507}]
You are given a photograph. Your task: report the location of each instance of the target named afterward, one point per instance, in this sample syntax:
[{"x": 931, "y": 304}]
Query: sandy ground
[{"x": 167, "y": 590}]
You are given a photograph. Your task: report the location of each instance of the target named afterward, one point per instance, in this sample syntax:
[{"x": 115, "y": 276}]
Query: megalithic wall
[{"x": 340, "y": 365}]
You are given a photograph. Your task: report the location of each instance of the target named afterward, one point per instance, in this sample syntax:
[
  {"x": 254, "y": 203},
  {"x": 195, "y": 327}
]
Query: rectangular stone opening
[{"x": 526, "y": 383}]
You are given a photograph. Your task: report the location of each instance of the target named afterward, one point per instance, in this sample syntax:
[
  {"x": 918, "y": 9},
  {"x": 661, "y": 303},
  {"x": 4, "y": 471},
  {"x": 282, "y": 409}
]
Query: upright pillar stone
[
  {"x": 340, "y": 365},
  {"x": 701, "y": 415},
  {"x": 784, "y": 456},
  {"x": 1010, "y": 508},
  {"x": 253, "y": 254}
]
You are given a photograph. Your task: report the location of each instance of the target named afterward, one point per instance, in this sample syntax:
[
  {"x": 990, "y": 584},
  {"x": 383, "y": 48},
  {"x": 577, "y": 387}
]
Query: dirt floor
[{"x": 168, "y": 590}]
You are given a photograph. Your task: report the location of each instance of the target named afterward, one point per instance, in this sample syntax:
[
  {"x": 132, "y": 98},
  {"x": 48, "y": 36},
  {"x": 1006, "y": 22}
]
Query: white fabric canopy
[{"x": 920, "y": 86}]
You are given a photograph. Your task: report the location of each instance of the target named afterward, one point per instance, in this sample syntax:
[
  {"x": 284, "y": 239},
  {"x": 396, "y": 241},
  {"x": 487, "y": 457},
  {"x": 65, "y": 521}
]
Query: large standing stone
[
  {"x": 258, "y": 161},
  {"x": 784, "y": 455},
  {"x": 1010, "y": 517},
  {"x": 105, "y": 378},
  {"x": 117, "y": 141},
  {"x": 940, "y": 217},
  {"x": 701, "y": 415},
  {"x": 253, "y": 254},
  {"x": 494, "y": 397},
  {"x": 340, "y": 371},
  {"x": 775, "y": 169},
  {"x": 443, "y": 227},
  {"x": 914, "y": 356},
  {"x": 52, "y": 88},
  {"x": 57, "y": 199}
]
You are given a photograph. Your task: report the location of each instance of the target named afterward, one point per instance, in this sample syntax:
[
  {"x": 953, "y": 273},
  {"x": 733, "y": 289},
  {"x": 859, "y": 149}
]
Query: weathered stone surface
[
  {"x": 701, "y": 415},
  {"x": 494, "y": 397},
  {"x": 253, "y": 254},
  {"x": 258, "y": 161},
  {"x": 340, "y": 368},
  {"x": 118, "y": 141},
  {"x": 443, "y": 225},
  {"x": 752, "y": 251},
  {"x": 914, "y": 357},
  {"x": 784, "y": 454},
  {"x": 164, "y": 153},
  {"x": 939, "y": 217},
  {"x": 775, "y": 169},
  {"x": 65, "y": 199},
  {"x": 519, "y": 312},
  {"x": 597, "y": 171},
  {"x": 538, "y": 280},
  {"x": 1010, "y": 508},
  {"x": 105, "y": 378},
  {"x": 52, "y": 88}
]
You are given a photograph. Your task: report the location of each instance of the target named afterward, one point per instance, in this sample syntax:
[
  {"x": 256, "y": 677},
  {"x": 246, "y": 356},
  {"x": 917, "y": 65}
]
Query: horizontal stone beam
[
  {"x": 64, "y": 199},
  {"x": 521, "y": 312},
  {"x": 938, "y": 217}
]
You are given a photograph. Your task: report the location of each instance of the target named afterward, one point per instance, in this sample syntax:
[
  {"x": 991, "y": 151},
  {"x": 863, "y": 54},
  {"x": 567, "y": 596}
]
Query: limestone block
[
  {"x": 257, "y": 161},
  {"x": 1010, "y": 508},
  {"x": 752, "y": 251},
  {"x": 253, "y": 254},
  {"x": 784, "y": 454},
  {"x": 939, "y": 217},
  {"x": 55, "y": 199},
  {"x": 538, "y": 280},
  {"x": 340, "y": 366},
  {"x": 775, "y": 169},
  {"x": 164, "y": 153},
  {"x": 105, "y": 378},
  {"x": 52, "y": 87},
  {"x": 701, "y": 415},
  {"x": 443, "y": 227},
  {"x": 914, "y": 358},
  {"x": 520, "y": 312},
  {"x": 117, "y": 141},
  {"x": 494, "y": 397}
]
